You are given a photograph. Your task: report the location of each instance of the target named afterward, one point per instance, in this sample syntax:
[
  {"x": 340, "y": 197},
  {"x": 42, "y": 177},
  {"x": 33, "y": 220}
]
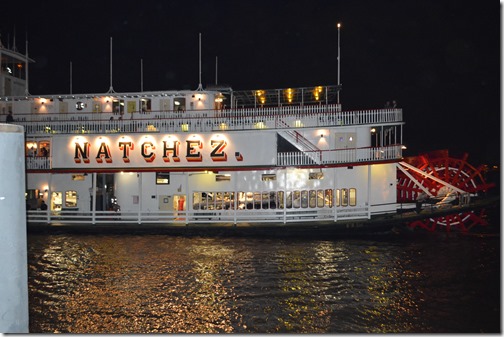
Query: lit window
[
  {"x": 344, "y": 197},
  {"x": 316, "y": 175},
  {"x": 268, "y": 177},
  {"x": 162, "y": 178},
  {"x": 71, "y": 199},
  {"x": 222, "y": 177},
  {"x": 352, "y": 197}
]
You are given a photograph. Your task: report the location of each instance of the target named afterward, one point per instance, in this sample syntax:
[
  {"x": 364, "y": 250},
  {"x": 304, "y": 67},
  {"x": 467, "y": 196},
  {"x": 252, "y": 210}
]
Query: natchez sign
[{"x": 162, "y": 150}]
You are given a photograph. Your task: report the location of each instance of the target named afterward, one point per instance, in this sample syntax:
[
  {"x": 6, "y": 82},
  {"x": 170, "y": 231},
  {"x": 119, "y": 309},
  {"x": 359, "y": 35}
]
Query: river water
[{"x": 139, "y": 283}]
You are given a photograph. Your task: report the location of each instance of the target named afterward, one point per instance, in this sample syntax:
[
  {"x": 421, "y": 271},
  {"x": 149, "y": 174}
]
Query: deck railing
[
  {"x": 299, "y": 158},
  {"x": 342, "y": 156},
  {"x": 184, "y": 218},
  {"x": 206, "y": 120}
]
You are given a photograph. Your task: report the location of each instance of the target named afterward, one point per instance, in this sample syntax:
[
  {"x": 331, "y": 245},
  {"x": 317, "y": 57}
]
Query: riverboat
[{"x": 212, "y": 156}]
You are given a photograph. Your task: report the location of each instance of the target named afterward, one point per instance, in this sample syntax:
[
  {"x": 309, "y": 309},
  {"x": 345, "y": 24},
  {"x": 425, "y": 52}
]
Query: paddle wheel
[{"x": 438, "y": 181}]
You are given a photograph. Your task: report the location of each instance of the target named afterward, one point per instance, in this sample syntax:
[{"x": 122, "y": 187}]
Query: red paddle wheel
[{"x": 436, "y": 175}]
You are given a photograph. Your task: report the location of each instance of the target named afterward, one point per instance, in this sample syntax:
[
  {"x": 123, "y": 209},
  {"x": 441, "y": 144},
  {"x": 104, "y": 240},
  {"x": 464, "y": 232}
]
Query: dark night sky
[{"x": 439, "y": 59}]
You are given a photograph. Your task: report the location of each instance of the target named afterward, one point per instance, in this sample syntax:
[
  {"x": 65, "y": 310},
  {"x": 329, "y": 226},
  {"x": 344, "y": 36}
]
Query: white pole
[
  {"x": 27, "y": 92},
  {"x": 339, "y": 60},
  {"x": 141, "y": 75},
  {"x": 71, "y": 77},
  {"x": 111, "y": 89},
  {"x": 200, "y": 86},
  {"x": 13, "y": 251}
]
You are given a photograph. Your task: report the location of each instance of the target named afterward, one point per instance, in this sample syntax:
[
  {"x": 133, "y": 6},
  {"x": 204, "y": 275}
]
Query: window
[
  {"x": 257, "y": 200},
  {"x": 146, "y": 105},
  {"x": 313, "y": 199},
  {"x": 280, "y": 199},
  {"x": 222, "y": 177},
  {"x": 352, "y": 197},
  {"x": 288, "y": 200},
  {"x": 162, "y": 178},
  {"x": 316, "y": 175},
  {"x": 56, "y": 201},
  {"x": 328, "y": 198},
  {"x": 296, "y": 202},
  {"x": 272, "y": 199},
  {"x": 338, "y": 198},
  {"x": 344, "y": 197},
  {"x": 304, "y": 198},
  {"x": 320, "y": 198},
  {"x": 268, "y": 177},
  {"x": 71, "y": 199}
]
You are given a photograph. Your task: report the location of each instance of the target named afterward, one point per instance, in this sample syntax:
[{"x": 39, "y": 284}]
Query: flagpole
[{"x": 339, "y": 61}]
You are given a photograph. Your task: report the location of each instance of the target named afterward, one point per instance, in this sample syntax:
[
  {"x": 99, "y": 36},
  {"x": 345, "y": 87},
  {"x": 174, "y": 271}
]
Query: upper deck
[{"x": 188, "y": 111}]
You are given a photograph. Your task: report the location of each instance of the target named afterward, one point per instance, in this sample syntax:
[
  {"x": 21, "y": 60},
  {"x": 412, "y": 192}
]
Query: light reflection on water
[{"x": 157, "y": 283}]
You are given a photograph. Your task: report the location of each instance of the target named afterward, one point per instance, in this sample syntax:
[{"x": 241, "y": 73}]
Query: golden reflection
[{"x": 392, "y": 298}]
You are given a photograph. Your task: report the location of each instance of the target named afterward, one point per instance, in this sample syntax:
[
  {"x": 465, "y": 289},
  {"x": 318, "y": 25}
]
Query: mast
[
  {"x": 26, "y": 68},
  {"x": 70, "y": 77},
  {"x": 111, "y": 89},
  {"x": 339, "y": 60},
  {"x": 141, "y": 75},
  {"x": 200, "y": 86}
]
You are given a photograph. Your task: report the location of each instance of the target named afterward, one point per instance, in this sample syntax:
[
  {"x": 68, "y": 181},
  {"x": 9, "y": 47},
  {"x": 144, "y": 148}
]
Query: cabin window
[
  {"x": 257, "y": 200},
  {"x": 288, "y": 199},
  {"x": 304, "y": 198},
  {"x": 338, "y": 197},
  {"x": 222, "y": 177},
  {"x": 313, "y": 198},
  {"x": 316, "y": 175},
  {"x": 280, "y": 199},
  {"x": 145, "y": 105},
  {"x": 162, "y": 178},
  {"x": 268, "y": 177},
  {"x": 352, "y": 197},
  {"x": 328, "y": 198},
  {"x": 179, "y": 104},
  {"x": 272, "y": 199},
  {"x": 118, "y": 106},
  {"x": 320, "y": 198},
  {"x": 71, "y": 199},
  {"x": 344, "y": 197},
  {"x": 296, "y": 199},
  {"x": 196, "y": 200},
  {"x": 56, "y": 201}
]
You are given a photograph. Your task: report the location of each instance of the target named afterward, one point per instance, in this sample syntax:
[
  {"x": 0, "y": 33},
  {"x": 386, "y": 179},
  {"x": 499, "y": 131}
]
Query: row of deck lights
[{"x": 289, "y": 94}]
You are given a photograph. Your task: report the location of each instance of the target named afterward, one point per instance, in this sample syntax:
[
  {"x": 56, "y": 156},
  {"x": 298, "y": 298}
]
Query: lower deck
[{"x": 281, "y": 195}]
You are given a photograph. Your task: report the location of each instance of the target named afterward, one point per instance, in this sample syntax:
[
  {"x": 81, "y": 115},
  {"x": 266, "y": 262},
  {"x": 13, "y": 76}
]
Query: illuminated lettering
[
  {"x": 81, "y": 152},
  {"x": 192, "y": 153},
  {"x": 148, "y": 156},
  {"x": 103, "y": 152},
  {"x": 125, "y": 147},
  {"x": 174, "y": 150},
  {"x": 218, "y": 153}
]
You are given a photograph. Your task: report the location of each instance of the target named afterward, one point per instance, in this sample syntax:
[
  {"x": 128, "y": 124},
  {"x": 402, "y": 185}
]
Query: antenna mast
[
  {"x": 70, "y": 77},
  {"x": 111, "y": 89},
  {"x": 26, "y": 68},
  {"x": 339, "y": 60},
  {"x": 200, "y": 86},
  {"x": 141, "y": 75}
]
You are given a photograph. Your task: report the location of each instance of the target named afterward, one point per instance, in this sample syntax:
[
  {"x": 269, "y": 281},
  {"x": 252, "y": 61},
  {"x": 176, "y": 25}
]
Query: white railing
[
  {"x": 343, "y": 156},
  {"x": 306, "y": 158},
  {"x": 209, "y": 120},
  {"x": 183, "y": 218}
]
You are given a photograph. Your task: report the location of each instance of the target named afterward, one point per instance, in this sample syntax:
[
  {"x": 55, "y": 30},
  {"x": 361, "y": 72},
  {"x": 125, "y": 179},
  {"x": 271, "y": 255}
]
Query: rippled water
[{"x": 157, "y": 283}]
